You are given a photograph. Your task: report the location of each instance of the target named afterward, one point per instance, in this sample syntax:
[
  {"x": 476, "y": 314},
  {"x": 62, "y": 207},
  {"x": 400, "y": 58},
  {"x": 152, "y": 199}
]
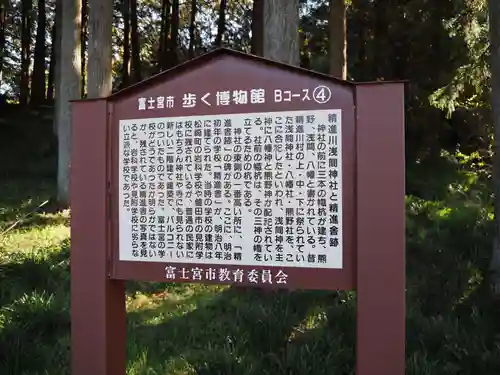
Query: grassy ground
[{"x": 453, "y": 328}]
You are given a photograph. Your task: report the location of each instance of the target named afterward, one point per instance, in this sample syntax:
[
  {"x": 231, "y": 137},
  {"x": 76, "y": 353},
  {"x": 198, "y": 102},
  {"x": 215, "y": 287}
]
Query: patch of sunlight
[
  {"x": 475, "y": 280},
  {"x": 179, "y": 366},
  {"x": 140, "y": 365},
  {"x": 155, "y": 320},
  {"x": 313, "y": 320},
  {"x": 155, "y": 308},
  {"x": 52, "y": 218},
  {"x": 34, "y": 302},
  {"x": 34, "y": 238},
  {"x": 444, "y": 212},
  {"x": 143, "y": 301}
]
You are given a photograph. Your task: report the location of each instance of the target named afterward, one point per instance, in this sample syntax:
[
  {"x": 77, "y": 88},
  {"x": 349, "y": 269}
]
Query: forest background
[{"x": 443, "y": 48}]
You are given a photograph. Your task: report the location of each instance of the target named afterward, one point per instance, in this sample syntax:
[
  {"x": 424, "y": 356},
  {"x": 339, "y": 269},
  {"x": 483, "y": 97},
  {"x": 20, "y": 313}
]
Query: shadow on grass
[
  {"x": 41, "y": 219},
  {"x": 19, "y": 197},
  {"x": 448, "y": 248},
  {"x": 34, "y": 319},
  {"x": 453, "y": 325},
  {"x": 251, "y": 333}
]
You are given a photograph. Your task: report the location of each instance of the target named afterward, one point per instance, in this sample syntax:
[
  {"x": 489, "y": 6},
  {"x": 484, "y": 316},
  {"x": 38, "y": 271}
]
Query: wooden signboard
[{"x": 233, "y": 169}]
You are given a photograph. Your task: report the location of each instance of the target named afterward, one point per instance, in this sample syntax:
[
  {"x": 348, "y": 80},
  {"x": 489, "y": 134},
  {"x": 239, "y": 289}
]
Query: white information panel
[{"x": 257, "y": 189}]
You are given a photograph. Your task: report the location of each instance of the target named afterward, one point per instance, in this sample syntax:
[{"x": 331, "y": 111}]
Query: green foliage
[
  {"x": 452, "y": 326},
  {"x": 442, "y": 51},
  {"x": 469, "y": 89}
]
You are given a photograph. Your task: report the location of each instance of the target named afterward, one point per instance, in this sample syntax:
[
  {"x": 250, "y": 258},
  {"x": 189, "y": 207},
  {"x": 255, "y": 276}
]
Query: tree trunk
[
  {"x": 57, "y": 41},
  {"x": 337, "y": 39},
  {"x": 136, "y": 57},
  {"x": 361, "y": 37},
  {"x": 100, "y": 53},
  {"x": 380, "y": 21},
  {"x": 192, "y": 28},
  {"x": 221, "y": 24},
  {"x": 278, "y": 33},
  {"x": 494, "y": 16},
  {"x": 173, "y": 58},
  {"x": 3, "y": 21},
  {"x": 68, "y": 89},
  {"x": 281, "y": 35},
  {"x": 83, "y": 45},
  {"x": 38, "y": 76},
  {"x": 52, "y": 64},
  {"x": 126, "y": 43},
  {"x": 26, "y": 9},
  {"x": 257, "y": 28},
  {"x": 164, "y": 32}
]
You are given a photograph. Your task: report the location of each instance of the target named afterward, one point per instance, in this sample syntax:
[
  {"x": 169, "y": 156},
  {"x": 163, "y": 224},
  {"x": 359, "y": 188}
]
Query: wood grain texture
[
  {"x": 69, "y": 89},
  {"x": 99, "y": 48},
  {"x": 337, "y": 39},
  {"x": 281, "y": 31}
]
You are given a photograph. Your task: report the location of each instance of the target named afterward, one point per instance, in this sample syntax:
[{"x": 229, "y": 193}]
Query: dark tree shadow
[
  {"x": 20, "y": 198},
  {"x": 28, "y": 145},
  {"x": 238, "y": 333},
  {"x": 34, "y": 318},
  {"x": 43, "y": 218}
]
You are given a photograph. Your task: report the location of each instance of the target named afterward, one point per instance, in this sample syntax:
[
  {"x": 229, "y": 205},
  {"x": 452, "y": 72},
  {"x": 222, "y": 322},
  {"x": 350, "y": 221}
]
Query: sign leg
[
  {"x": 98, "y": 315},
  {"x": 380, "y": 280}
]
